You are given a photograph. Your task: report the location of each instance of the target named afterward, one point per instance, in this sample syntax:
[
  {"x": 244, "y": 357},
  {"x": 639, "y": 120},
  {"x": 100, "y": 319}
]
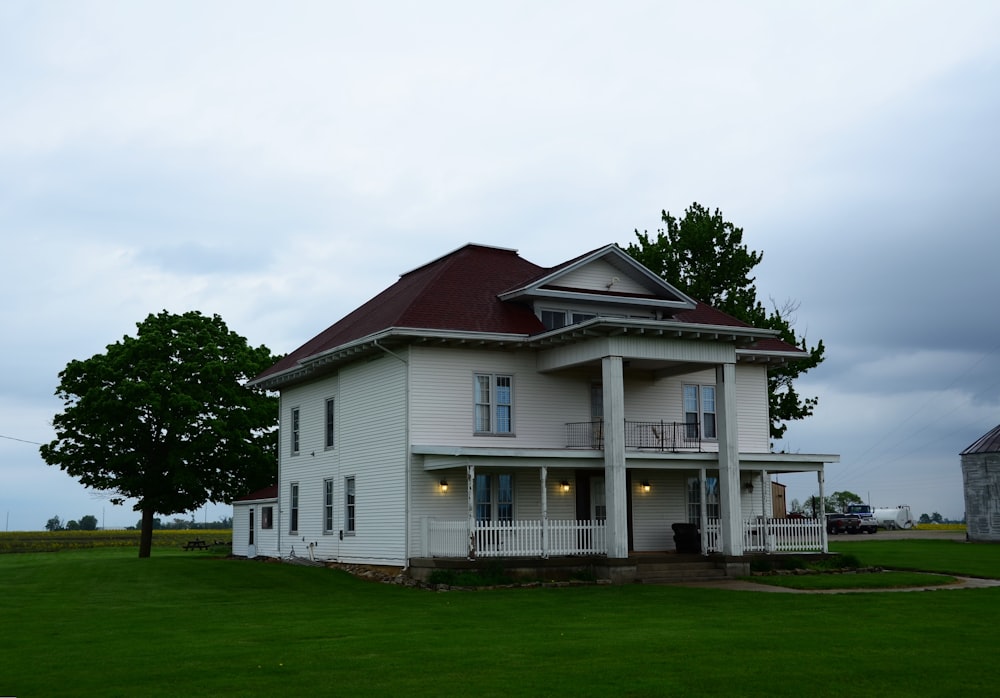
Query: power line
[{"x": 24, "y": 441}]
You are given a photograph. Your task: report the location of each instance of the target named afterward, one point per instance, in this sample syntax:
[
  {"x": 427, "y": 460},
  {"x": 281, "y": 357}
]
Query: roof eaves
[{"x": 310, "y": 364}]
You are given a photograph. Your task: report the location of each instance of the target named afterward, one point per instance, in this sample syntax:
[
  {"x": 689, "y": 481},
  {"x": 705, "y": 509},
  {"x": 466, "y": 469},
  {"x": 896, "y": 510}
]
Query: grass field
[{"x": 102, "y": 622}]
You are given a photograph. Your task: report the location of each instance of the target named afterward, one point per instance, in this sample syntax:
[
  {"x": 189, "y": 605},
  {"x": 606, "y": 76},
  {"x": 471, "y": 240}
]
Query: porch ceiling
[{"x": 448, "y": 457}]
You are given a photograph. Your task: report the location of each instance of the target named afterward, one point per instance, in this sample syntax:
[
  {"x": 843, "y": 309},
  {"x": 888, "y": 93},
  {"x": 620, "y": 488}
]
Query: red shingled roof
[
  {"x": 455, "y": 292},
  {"x": 459, "y": 292},
  {"x": 269, "y": 492}
]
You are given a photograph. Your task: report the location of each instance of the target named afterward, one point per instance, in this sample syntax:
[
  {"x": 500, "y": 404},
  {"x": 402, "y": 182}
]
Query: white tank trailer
[{"x": 894, "y": 517}]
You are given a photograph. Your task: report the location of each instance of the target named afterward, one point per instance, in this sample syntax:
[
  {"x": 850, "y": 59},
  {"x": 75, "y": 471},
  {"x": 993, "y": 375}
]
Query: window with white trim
[
  {"x": 494, "y": 403},
  {"x": 699, "y": 409},
  {"x": 494, "y": 497},
  {"x": 554, "y": 319},
  {"x": 267, "y": 517},
  {"x": 694, "y": 499},
  {"x": 293, "y": 508},
  {"x": 350, "y": 501},
  {"x": 328, "y": 441},
  {"x": 293, "y": 431},
  {"x": 328, "y": 506}
]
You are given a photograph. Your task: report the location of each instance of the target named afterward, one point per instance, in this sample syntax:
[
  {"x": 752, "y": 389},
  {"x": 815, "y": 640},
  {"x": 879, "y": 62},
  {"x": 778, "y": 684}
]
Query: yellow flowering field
[{"x": 53, "y": 541}]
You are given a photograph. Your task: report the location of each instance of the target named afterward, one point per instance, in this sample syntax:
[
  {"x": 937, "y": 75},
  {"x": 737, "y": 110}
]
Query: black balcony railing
[{"x": 652, "y": 436}]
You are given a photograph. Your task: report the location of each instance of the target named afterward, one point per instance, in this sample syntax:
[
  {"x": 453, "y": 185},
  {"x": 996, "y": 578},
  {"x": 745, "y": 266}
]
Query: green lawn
[
  {"x": 946, "y": 556},
  {"x": 105, "y": 623}
]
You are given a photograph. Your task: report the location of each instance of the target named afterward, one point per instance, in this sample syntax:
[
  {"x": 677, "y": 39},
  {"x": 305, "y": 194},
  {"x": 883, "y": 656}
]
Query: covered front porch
[{"x": 509, "y": 503}]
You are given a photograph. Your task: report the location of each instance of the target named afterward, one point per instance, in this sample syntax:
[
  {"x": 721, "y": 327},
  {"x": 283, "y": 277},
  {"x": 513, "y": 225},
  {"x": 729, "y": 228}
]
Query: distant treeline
[{"x": 89, "y": 523}]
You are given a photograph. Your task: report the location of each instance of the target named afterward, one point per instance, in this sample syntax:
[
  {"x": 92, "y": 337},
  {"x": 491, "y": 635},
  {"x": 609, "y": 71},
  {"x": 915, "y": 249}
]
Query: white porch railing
[
  {"x": 772, "y": 536},
  {"x": 516, "y": 538}
]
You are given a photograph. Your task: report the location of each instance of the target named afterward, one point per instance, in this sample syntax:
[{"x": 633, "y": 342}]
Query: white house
[{"x": 483, "y": 406}]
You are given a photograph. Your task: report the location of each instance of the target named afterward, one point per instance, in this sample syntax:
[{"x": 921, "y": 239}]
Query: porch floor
[{"x": 638, "y": 567}]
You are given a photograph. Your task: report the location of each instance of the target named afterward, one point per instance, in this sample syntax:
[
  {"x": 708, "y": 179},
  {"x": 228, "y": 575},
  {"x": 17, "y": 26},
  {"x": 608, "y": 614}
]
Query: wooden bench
[{"x": 196, "y": 545}]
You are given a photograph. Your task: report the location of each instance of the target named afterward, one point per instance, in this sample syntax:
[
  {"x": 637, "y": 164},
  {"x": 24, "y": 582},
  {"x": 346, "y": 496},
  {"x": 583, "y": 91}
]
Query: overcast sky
[{"x": 280, "y": 163}]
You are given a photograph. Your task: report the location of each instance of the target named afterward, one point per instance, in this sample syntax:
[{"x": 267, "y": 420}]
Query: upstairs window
[
  {"x": 328, "y": 441},
  {"x": 699, "y": 411},
  {"x": 494, "y": 403},
  {"x": 294, "y": 431},
  {"x": 554, "y": 319}
]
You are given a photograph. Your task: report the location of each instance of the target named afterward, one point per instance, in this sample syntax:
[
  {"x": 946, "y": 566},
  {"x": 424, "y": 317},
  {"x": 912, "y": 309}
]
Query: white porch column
[
  {"x": 544, "y": 475},
  {"x": 703, "y": 509},
  {"x": 470, "y": 495},
  {"x": 729, "y": 459},
  {"x": 766, "y": 495},
  {"x": 614, "y": 456},
  {"x": 822, "y": 511}
]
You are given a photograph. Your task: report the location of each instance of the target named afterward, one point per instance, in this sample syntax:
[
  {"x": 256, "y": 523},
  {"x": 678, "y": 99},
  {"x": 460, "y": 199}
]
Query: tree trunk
[{"x": 146, "y": 535}]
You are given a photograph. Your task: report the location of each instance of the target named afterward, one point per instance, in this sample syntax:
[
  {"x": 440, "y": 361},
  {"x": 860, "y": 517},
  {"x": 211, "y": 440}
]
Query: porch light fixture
[
  {"x": 646, "y": 487},
  {"x": 564, "y": 485},
  {"x": 444, "y": 485}
]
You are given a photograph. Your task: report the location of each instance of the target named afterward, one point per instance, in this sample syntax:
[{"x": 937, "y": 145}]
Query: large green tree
[
  {"x": 704, "y": 255},
  {"x": 165, "y": 418}
]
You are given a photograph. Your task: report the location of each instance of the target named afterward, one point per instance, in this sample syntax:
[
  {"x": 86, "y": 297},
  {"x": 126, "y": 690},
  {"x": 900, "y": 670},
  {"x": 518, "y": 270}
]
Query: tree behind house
[{"x": 704, "y": 255}]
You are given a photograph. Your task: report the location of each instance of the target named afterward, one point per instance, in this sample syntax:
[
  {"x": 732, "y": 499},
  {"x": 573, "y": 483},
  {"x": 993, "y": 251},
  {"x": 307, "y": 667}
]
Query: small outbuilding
[
  {"x": 981, "y": 481},
  {"x": 254, "y": 530}
]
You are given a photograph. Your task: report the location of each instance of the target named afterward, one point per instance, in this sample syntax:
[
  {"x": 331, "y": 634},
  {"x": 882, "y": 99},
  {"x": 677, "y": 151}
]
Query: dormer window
[{"x": 554, "y": 319}]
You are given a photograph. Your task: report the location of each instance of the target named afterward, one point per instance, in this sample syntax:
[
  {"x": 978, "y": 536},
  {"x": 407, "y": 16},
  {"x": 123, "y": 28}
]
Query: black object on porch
[{"x": 687, "y": 538}]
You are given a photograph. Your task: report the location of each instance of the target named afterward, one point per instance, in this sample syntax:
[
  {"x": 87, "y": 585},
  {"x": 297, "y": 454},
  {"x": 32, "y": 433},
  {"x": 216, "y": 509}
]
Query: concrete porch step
[{"x": 668, "y": 573}]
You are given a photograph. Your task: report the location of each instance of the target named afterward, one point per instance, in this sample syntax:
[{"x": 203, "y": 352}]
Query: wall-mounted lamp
[
  {"x": 748, "y": 485},
  {"x": 444, "y": 485},
  {"x": 564, "y": 485},
  {"x": 646, "y": 487}
]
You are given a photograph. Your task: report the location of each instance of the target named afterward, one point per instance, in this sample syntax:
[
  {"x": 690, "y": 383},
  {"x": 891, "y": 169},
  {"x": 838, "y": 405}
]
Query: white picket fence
[
  {"x": 450, "y": 538},
  {"x": 772, "y": 536},
  {"x": 516, "y": 538}
]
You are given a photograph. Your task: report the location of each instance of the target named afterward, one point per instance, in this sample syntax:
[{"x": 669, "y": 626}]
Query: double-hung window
[
  {"x": 349, "y": 506},
  {"x": 495, "y": 497},
  {"x": 293, "y": 509},
  {"x": 694, "y": 499},
  {"x": 329, "y": 421},
  {"x": 327, "y": 506},
  {"x": 294, "y": 431},
  {"x": 494, "y": 403},
  {"x": 554, "y": 319},
  {"x": 699, "y": 411}
]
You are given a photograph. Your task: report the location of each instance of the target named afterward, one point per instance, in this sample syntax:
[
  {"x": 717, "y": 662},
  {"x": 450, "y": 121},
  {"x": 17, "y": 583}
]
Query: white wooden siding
[
  {"x": 265, "y": 540},
  {"x": 369, "y": 445},
  {"x": 655, "y": 511},
  {"x": 598, "y": 275},
  {"x": 442, "y": 394}
]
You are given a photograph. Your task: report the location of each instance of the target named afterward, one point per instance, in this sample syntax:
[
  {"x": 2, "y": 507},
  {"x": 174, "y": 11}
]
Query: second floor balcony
[{"x": 664, "y": 436}]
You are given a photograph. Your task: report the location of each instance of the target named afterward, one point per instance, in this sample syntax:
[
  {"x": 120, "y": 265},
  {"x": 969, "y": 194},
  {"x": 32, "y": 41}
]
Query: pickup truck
[{"x": 849, "y": 523}]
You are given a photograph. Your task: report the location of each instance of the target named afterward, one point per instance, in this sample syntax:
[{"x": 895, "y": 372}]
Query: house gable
[{"x": 607, "y": 280}]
